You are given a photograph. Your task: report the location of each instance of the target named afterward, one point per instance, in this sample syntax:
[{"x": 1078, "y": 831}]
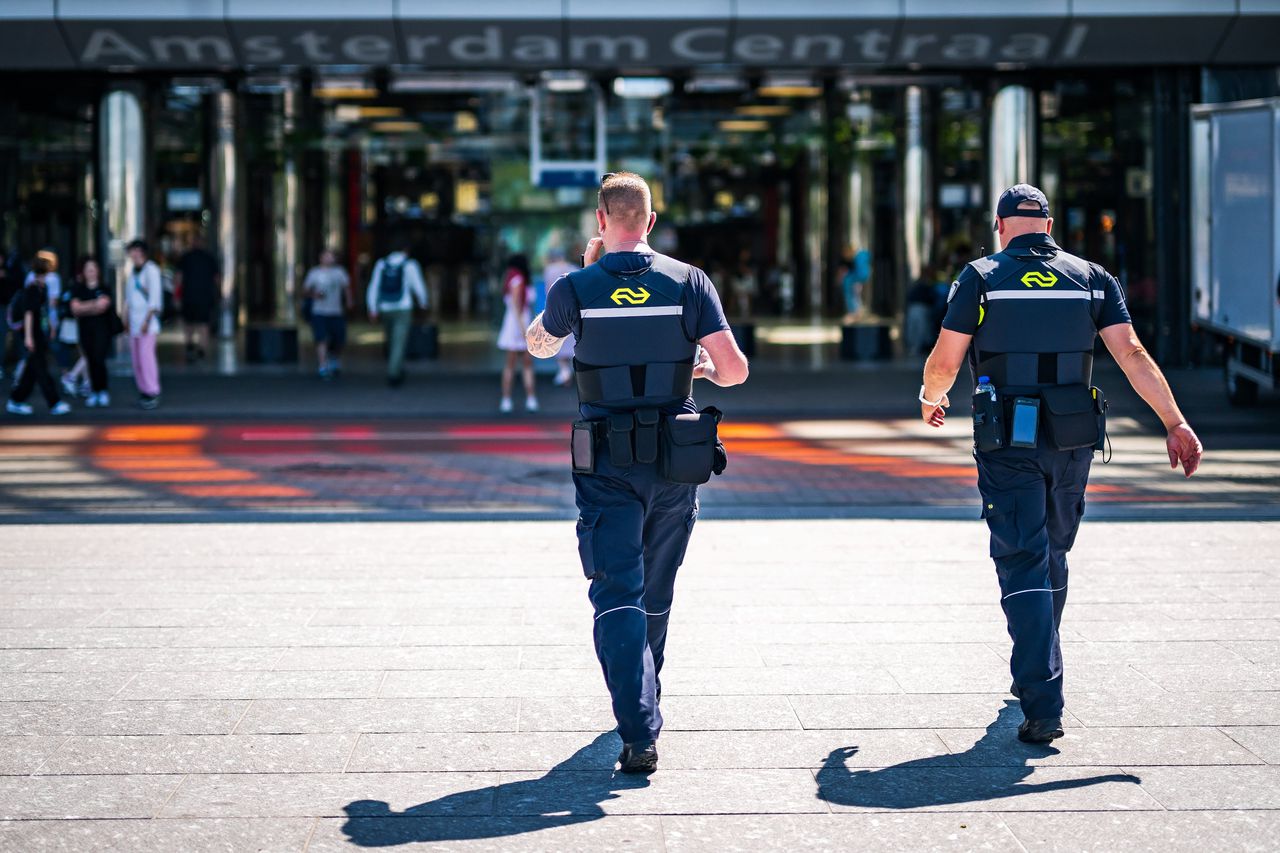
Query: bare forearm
[
  {"x": 1147, "y": 379},
  {"x": 938, "y": 378},
  {"x": 541, "y": 343}
]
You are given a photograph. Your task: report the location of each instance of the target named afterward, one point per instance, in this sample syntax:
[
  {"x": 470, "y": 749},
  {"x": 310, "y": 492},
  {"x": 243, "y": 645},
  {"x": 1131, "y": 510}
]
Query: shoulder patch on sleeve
[{"x": 951, "y": 294}]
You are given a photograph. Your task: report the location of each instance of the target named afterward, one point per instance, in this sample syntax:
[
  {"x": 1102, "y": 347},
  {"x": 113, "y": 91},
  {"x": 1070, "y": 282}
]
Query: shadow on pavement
[
  {"x": 498, "y": 811},
  {"x": 937, "y": 781}
]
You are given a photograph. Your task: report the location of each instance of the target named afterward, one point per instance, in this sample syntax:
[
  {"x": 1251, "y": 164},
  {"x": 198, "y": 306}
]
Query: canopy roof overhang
[{"x": 670, "y": 34}]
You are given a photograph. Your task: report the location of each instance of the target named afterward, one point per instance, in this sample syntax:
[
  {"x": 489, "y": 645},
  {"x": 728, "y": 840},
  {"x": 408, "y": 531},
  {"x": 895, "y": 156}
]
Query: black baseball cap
[{"x": 1017, "y": 195}]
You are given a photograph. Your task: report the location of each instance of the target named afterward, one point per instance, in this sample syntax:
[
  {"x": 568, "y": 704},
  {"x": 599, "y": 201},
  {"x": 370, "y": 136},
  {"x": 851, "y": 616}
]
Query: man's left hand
[
  {"x": 1184, "y": 449},
  {"x": 935, "y": 416}
]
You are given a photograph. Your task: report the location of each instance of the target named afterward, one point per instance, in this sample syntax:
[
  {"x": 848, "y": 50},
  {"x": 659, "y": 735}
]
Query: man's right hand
[
  {"x": 592, "y": 254},
  {"x": 1184, "y": 448}
]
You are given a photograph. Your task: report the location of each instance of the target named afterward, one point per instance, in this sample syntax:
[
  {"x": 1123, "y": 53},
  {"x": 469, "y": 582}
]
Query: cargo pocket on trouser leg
[
  {"x": 588, "y": 520},
  {"x": 1001, "y": 516}
]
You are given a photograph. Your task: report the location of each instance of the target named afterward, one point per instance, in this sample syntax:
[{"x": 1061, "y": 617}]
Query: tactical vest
[
  {"x": 1038, "y": 316},
  {"x": 634, "y": 349}
]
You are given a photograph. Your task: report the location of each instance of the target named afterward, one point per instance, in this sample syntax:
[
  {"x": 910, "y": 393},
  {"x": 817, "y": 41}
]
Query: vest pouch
[
  {"x": 621, "y": 426},
  {"x": 988, "y": 423},
  {"x": 1100, "y": 411},
  {"x": 647, "y": 435},
  {"x": 582, "y": 447},
  {"x": 690, "y": 448},
  {"x": 1070, "y": 419}
]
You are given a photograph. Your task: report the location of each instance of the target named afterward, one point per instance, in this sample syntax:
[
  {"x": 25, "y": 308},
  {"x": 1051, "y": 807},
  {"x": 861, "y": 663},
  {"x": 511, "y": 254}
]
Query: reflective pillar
[
  {"x": 917, "y": 189},
  {"x": 226, "y": 190},
  {"x": 123, "y": 167},
  {"x": 1012, "y": 144},
  {"x": 288, "y": 212}
]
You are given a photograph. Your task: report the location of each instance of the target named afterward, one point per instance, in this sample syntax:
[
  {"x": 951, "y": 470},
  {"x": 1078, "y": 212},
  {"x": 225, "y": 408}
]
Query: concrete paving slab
[
  {"x": 1238, "y": 676},
  {"x": 61, "y": 617},
  {"x": 399, "y": 658},
  {"x": 1089, "y": 747},
  {"x": 79, "y": 797},
  {"x": 926, "y": 787},
  {"x": 673, "y": 792},
  {"x": 1257, "y": 651},
  {"x": 212, "y": 638},
  {"x": 274, "y": 835},
  {"x": 1173, "y": 709},
  {"x": 908, "y": 711},
  {"x": 876, "y": 654},
  {"x": 190, "y": 617},
  {"x": 119, "y": 718},
  {"x": 31, "y": 686},
  {"x": 1262, "y": 741},
  {"x": 121, "y": 755},
  {"x": 22, "y": 754},
  {"x": 87, "y": 638},
  {"x": 301, "y": 716},
  {"x": 329, "y": 794},
  {"x": 143, "y": 660},
  {"x": 1147, "y": 832},
  {"x": 1214, "y": 787},
  {"x": 254, "y": 685},
  {"x": 876, "y": 832},
  {"x": 585, "y": 833}
]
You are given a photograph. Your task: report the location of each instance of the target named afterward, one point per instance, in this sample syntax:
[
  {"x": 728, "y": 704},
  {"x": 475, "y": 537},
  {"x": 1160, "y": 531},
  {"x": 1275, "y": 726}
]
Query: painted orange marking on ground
[
  {"x": 262, "y": 490},
  {"x": 144, "y": 450},
  {"x": 156, "y": 433},
  {"x": 181, "y": 463},
  {"x": 216, "y": 475},
  {"x": 750, "y": 431}
]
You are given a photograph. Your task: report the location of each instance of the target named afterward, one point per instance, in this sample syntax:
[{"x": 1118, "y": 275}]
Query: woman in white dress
[{"x": 517, "y": 295}]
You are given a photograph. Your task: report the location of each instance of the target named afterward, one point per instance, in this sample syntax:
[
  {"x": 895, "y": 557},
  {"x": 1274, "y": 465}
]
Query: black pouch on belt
[
  {"x": 1069, "y": 417},
  {"x": 582, "y": 447},
  {"x": 647, "y": 435},
  {"x": 621, "y": 426},
  {"x": 691, "y": 451},
  {"x": 1100, "y": 411},
  {"x": 988, "y": 422}
]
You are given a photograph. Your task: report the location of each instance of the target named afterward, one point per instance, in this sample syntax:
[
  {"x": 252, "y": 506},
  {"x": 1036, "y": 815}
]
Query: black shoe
[
  {"x": 638, "y": 758},
  {"x": 1040, "y": 731}
]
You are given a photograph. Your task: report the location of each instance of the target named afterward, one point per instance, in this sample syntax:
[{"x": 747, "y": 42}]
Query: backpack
[{"x": 391, "y": 287}]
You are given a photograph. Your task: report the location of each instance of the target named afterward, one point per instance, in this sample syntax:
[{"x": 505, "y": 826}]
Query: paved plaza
[{"x": 833, "y": 684}]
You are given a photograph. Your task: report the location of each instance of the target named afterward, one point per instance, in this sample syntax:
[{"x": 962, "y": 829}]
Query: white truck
[{"x": 1235, "y": 256}]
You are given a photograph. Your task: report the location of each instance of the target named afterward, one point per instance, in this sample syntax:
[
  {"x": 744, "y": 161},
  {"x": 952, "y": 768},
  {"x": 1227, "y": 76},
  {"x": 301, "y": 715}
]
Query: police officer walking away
[
  {"x": 1027, "y": 317},
  {"x": 641, "y": 447}
]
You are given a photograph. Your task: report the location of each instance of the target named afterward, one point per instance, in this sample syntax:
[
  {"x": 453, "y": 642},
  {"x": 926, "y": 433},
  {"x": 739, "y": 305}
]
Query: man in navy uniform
[
  {"x": 645, "y": 326},
  {"x": 1027, "y": 317}
]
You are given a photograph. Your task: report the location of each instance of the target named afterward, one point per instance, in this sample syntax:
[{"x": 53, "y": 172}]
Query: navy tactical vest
[
  {"x": 634, "y": 349},
  {"x": 1038, "y": 313}
]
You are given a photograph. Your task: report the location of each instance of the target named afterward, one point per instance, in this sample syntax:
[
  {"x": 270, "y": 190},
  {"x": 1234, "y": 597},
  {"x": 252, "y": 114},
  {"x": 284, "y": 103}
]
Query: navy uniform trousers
[
  {"x": 1033, "y": 500},
  {"x": 633, "y": 529}
]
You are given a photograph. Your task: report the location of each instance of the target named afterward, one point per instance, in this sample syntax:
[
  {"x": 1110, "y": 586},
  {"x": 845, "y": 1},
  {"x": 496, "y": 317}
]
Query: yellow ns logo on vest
[
  {"x": 627, "y": 296},
  {"x": 1043, "y": 279}
]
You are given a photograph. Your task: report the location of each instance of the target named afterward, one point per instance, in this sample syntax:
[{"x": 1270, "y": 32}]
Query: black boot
[
  {"x": 1040, "y": 731},
  {"x": 638, "y": 758}
]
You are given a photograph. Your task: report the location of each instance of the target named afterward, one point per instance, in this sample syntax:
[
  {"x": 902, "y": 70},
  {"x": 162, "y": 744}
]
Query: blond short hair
[{"x": 625, "y": 198}]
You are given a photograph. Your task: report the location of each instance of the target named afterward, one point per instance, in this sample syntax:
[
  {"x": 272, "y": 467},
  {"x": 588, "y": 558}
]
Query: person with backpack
[
  {"x": 32, "y": 306},
  {"x": 395, "y": 287}
]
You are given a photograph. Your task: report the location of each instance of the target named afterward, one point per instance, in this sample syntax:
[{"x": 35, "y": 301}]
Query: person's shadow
[
  {"x": 496, "y": 811},
  {"x": 990, "y": 769}
]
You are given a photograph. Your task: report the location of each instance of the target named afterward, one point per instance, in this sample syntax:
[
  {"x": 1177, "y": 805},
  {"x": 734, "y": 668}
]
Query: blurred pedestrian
[
  {"x": 95, "y": 312},
  {"x": 33, "y": 308},
  {"x": 556, "y": 268},
  {"x": 198, "y": 279},
  {"x": 143, "y": 304},
  {"x": 856, "y": 273},
  {"x": 517, "y": 295},
  {"x": 328, "y": 291},
  {"x": 11, "y": 278},
  {"x": 394, "y": 288},
  {"x": 922, "y": 321}
]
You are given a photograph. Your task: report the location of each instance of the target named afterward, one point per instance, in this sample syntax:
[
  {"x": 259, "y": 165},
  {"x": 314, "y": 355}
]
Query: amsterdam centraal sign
[{"x": 1213, "y": 32}]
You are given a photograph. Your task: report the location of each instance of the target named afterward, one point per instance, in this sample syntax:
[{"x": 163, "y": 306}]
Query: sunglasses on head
[{"x": 606, "y": 176}]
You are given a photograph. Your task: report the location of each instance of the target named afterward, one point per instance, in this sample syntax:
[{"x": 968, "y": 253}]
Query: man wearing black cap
[{"x": 1026, "y": 317}]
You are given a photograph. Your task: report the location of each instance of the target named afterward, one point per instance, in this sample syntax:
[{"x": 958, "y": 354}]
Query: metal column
[
  {"x": 917, "y": 188},
  {"x": 123, "y": 169},
  {"x": 288, "y": 212},
  {"x": 1012, "y": 144},
  {"x": 226, "y": 190}
]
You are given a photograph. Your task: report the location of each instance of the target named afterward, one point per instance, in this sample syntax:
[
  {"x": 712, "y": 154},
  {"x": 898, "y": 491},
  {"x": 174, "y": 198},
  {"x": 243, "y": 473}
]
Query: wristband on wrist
[{"x": 934, "y": 403}]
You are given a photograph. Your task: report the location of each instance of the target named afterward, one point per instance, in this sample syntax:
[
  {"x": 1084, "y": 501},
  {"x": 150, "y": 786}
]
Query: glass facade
[{"x": 773, "y": 186}]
